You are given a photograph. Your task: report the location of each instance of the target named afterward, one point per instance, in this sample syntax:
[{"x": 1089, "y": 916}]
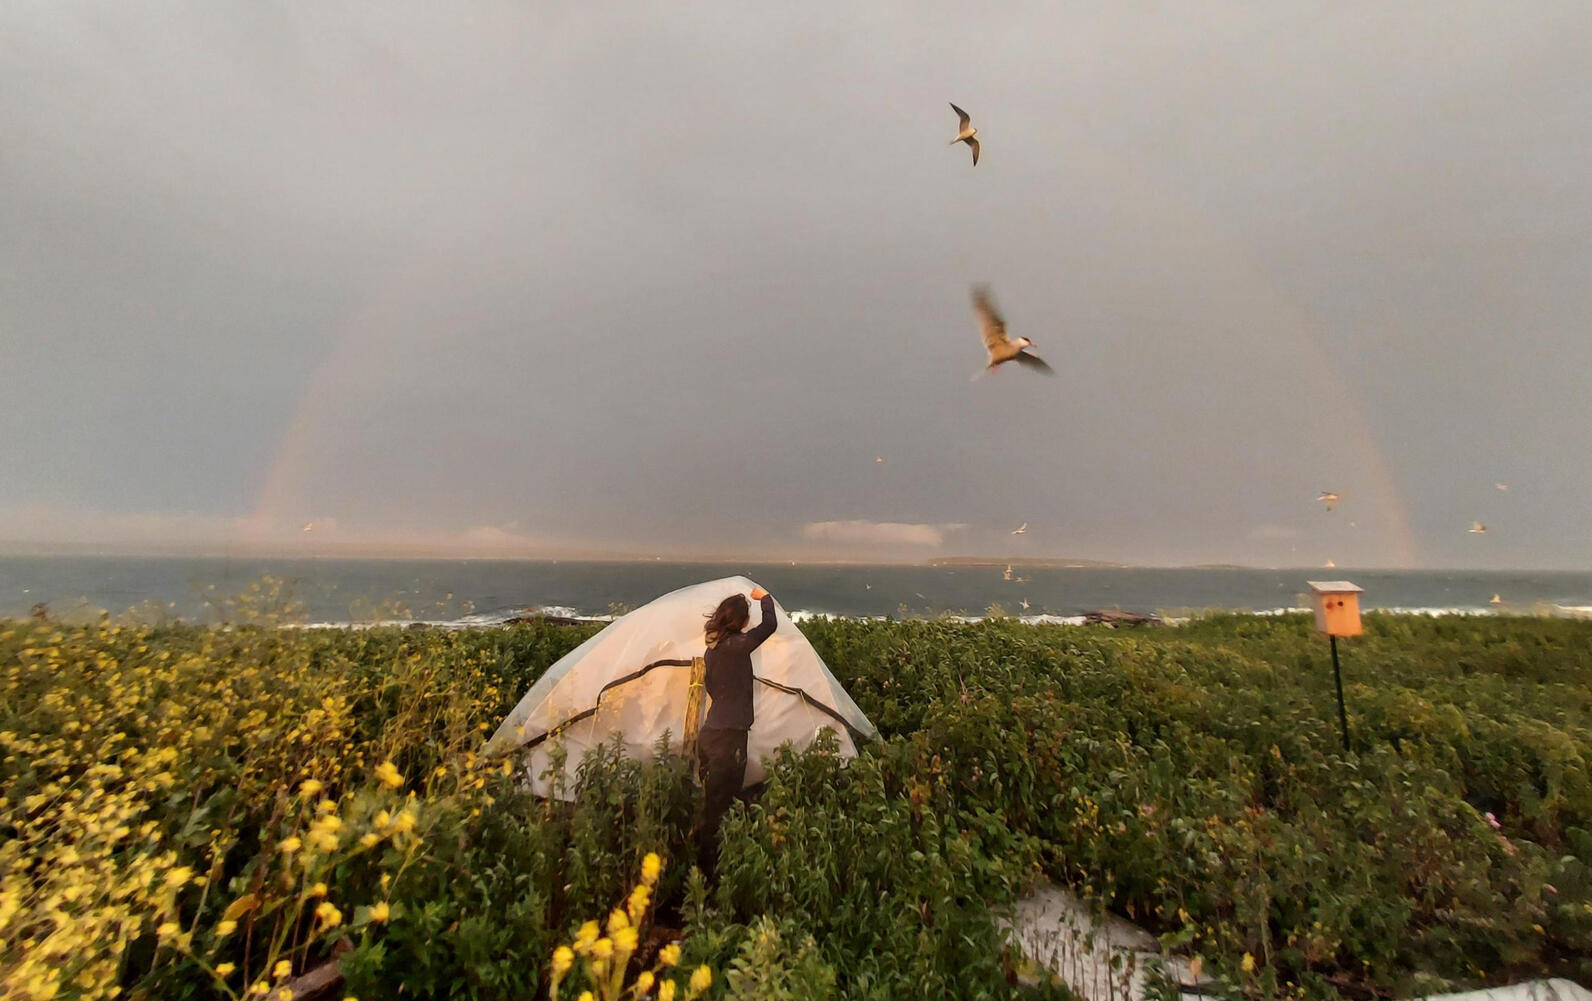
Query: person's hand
[{"x": 758, "y": 594}]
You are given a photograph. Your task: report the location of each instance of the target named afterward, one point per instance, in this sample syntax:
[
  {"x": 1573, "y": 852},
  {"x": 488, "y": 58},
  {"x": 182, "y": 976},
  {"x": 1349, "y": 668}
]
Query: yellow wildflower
[
  {"x": 701, "y": 980},
  {"x": 666, "y": 991},
  {"x": 326, "y": 806},
  {"x": 617, "y": 920},
  {"x": 625, "y": 940},
  {"x": 602, "y": 948},
  {"x": 1248, "y": 963},
  {"x": 586, "y": 936},
  {"x": 324, "y": 840},
  {"x": 259, "y": 987},
  {"x": 369, "y": 840},
  {"x": 640, "y": 900},
  {"x": 379, "y": 912},
  {"x": 405, "y": 822},
  {"x": 281, "y": 969},
  {"x": 669, "y": 955},
  {"x": 651, "y": 866},
  {"x": 285, "y": 994},
  {"x": 563, "y": 959},
  {"x": 317, "y": 890},
  {"x": 644, "y": 982},
  {"x": 330, "y": 916},
  {"x": 329, "y": 822},
  {"x": 585, "y": 996},
  {"x": 168, "y": 929},
  {"x": 383, "y": 818},
  {"x": 289, "y": 845},
  {"x": 226, "y": 928},
  {"x": 224, "y": 969},
  {"x": 178, "y": 876},
  {"x": 389, "y": 775},
  {"x": 310, "y": 787}
]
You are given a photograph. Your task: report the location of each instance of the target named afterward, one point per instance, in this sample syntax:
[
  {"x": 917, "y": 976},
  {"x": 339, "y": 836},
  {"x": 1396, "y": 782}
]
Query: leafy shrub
[{"x": 169, "y": 793}]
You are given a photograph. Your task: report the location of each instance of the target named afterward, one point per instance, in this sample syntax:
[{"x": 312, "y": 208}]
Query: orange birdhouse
[{"x": 1337, "y": 606}]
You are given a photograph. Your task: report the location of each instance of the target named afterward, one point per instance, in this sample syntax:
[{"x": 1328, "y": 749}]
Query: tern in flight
[
  {"x": 1021, "y": 529},
  {"x": 965, "y": 133},
  {"x": 1496, "y": 600},
  {"x": 1329, "y": 498},
  {"x": 1001, "y": 348},
  {"x": 1501, "y": 486},
  {"x": 1477, "y": 528}
]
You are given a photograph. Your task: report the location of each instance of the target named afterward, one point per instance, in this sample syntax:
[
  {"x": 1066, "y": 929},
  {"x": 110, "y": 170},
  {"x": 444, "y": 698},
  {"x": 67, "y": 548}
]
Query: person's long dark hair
[{"x": 728, "y": 619}]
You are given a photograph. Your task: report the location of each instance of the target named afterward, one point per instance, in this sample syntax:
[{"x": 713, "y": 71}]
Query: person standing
[{"x": 721, "y": 743}]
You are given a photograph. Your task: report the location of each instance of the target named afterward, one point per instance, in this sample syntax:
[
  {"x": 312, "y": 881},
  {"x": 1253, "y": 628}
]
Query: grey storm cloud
[{"x": 626, "y": 279}]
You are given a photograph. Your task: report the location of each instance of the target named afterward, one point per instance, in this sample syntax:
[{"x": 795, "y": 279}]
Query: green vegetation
[{"x": 197, "y": 813}]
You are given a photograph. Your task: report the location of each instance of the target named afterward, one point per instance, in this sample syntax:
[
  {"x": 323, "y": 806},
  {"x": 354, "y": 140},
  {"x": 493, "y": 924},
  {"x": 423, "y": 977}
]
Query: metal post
[{"x": 1337, "y": 674}]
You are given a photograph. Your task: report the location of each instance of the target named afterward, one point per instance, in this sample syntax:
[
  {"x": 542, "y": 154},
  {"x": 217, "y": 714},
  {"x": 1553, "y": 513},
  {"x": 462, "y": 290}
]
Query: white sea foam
[{"x": 488, "y": 620}]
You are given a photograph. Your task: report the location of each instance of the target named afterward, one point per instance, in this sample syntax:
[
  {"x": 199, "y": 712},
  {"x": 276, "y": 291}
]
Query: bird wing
[
  {"x": 973, "y": 143},
  {"x": 963, "y": 116},
  {"x": 1034, "y": 362},
  {"x": 989, "y": 319}
]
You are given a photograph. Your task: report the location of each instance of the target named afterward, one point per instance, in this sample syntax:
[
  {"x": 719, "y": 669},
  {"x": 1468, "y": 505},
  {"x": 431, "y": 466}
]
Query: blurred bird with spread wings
[
  {"x": 1001, "y": 348},
  {"x": 965, "y": 132}
]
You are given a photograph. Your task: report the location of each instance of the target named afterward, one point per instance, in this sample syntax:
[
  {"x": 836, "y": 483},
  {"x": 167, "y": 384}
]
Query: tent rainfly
[{"x": 635, "y": 678}]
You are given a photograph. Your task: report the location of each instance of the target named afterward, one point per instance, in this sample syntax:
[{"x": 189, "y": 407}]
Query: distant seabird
[
  {"x": 965, "y": 133},
  {"x": 1496, "y": 600},
  {"x": 1025, "y": 604},
  {"x": 1477, "y": 528},
  {"x": 1329, "y": 498},
  {"x": 1021, "y": 529},
  {"x": 1001, "y": 348},
  {"x": 1501, "y": 486}
]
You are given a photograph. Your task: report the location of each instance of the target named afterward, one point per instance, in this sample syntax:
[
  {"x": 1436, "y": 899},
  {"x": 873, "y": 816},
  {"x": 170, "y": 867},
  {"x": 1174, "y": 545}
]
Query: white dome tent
[{"x": 635, "y": 679}]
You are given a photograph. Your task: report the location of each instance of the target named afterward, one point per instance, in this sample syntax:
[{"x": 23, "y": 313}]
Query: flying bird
[
  {"x": 1025, "y": 604},
  {"x": 1496, "y": 600},
  {"x": 1001, "y": 348},
  {"x": 1501, "y": 486},
  {"x": 1477, "y": 528},
  {"x": 965, "y": 133},
  {"x": 878, "y": 458},
  {"x": 309, "y": 526},
  {"x": 1008, "y": 574},
  {"x": 1021, "y": 529},
  {"x": 1329, "y": 498}
]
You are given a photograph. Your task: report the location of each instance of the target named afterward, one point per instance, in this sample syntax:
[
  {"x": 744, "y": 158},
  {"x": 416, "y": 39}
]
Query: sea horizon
[{"x": 482, "y": 590}]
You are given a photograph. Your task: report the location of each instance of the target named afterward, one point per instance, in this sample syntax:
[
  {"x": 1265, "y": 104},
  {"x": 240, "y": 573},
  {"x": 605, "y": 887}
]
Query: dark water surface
[{"x": 334, "y": 590}]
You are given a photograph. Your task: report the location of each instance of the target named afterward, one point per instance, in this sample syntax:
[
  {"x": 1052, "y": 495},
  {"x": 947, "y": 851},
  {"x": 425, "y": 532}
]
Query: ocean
[{"x": 481, "y": 592}]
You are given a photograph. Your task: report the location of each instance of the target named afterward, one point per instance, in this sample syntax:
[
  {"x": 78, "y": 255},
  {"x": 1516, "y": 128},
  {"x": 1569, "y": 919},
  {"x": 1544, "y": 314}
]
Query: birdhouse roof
[{"x": 1333, "y": 587}]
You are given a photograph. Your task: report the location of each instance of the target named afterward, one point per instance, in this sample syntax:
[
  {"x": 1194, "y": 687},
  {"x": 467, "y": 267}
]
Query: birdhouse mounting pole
[{"x": 1337, "y": 675}]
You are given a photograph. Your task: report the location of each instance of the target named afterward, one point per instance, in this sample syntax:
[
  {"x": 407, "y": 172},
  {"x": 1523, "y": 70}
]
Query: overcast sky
[{"x": 538, "y": 277}]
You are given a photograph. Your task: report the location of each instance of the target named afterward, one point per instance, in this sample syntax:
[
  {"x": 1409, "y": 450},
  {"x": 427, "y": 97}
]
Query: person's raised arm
[{"x": 764, "y": 629}]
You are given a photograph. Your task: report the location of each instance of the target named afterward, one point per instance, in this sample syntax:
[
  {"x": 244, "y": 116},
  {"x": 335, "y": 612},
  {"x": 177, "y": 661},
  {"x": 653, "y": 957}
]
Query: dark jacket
[{"x": 729, "y": 674}]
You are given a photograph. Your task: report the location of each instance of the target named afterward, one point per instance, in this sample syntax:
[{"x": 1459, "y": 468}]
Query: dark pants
[{"x": 721, "y": 756}]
